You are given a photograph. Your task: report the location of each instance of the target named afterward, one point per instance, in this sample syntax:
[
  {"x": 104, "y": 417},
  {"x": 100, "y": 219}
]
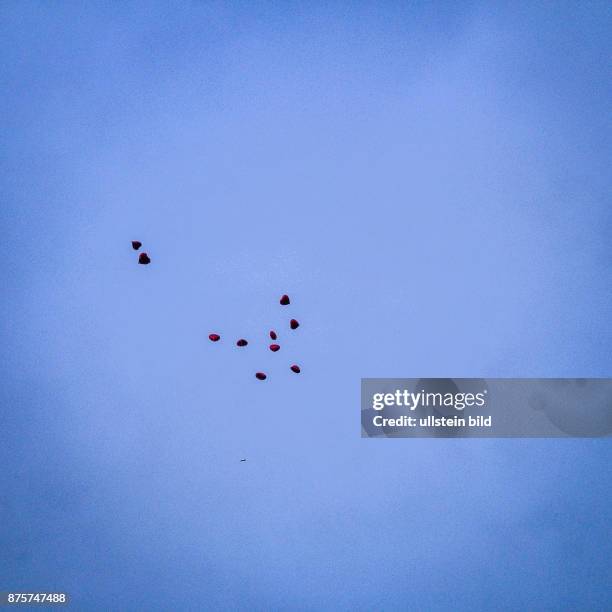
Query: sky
[{"x": 429, "y": 182}]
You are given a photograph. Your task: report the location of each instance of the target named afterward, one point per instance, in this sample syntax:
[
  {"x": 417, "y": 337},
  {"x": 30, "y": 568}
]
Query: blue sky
[{"x": 430, "y": 184}]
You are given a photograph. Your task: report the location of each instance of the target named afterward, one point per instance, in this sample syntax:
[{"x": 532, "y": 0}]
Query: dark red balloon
[
  {"x": 274, "y": 347},
  {"x": 214, "y": 337},
  {"x": 241, "y": 342},
  {"x": 294, "y": 324},
  {"x": 144, "y": 259},
  {"x": 136, "y": 244},
  {"x": 284, "y": 301},
  {"x": 273, "y": 335},
  {"x": 296, "y": 369},
  {"x": 260, "y": 376}
]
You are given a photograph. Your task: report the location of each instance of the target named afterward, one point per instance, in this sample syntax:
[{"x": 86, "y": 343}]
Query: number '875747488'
[{"x": 33, "y": 598}]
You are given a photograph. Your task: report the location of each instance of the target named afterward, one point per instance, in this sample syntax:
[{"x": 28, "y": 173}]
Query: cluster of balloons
[
  {"x": 293, "y": 324},
  {"x": 143, "y": 258}
]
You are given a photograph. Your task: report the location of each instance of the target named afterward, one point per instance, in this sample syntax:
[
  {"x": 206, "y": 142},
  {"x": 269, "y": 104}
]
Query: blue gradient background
[{"x": 430, "y": 184}]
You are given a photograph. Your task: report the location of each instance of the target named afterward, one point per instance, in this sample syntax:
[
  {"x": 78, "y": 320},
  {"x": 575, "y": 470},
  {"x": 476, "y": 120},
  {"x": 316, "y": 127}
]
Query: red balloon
[
  {"x": 273, "y": 335},
  {"x": 241, "y": 342},
  {"x": 295, "y": 368},
  {"x": 284, "y": 301},
  {"x": 144, "y": 259},
  {"x": 274, "y": 347},
  {"x": 214, "y": 337},
  {"x": 260, "y": 376},
  {"x": 294, "y": 324},
  {"x": 136, "y": 244}
]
